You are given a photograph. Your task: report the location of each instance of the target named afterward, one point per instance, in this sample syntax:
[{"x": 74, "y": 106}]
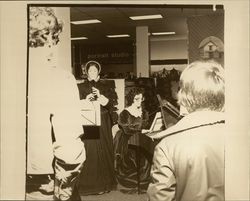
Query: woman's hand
[
  {"x": 90, "y": 97},
  {"x": 144, "y": 131},
  {"x": 96, "y": 92}
]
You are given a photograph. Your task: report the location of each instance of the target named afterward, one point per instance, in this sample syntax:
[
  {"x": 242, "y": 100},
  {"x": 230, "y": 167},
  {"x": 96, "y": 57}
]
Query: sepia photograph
[{"x": 125, "y": 101}]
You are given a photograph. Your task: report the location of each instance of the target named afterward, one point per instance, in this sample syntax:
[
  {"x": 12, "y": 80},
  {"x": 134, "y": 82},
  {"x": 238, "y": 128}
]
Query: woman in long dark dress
[
  {"x": 97, "y": 176},
  {"x": 131, "y": 120}
]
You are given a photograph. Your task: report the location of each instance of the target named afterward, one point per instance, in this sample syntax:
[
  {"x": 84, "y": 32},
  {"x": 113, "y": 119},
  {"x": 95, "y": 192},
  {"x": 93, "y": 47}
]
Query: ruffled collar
[{"x": 134, "y": 111}]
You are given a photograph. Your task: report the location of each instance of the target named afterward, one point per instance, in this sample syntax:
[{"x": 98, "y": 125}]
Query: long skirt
[
  {"x": 98, "y": 173},
  {"x": 130, "y": 161}
]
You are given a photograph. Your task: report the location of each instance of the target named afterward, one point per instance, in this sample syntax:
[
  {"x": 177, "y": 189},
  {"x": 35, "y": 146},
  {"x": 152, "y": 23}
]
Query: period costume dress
[
  {"x": 125, "y": 153},
  {"x": 188, "y": 163},
  {"x": 98, "y": 170}
]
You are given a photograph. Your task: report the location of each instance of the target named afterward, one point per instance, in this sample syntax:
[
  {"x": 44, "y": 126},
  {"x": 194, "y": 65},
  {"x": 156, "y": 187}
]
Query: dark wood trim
[{"x": 168, "y": 61}]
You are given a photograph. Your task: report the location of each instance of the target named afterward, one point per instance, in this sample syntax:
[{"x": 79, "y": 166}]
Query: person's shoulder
[
  {"x": 82, "y": 82},
  {"x": 83, "y": 85},
  {"x": 173, "y": 146},
  {"x": 171, "y": 139},
  {"x": 62, "y": 73},
  {"x": 124, "y": 115},
  {"x": 124, "y": 112},
  {"x": 164, "y": 141}
]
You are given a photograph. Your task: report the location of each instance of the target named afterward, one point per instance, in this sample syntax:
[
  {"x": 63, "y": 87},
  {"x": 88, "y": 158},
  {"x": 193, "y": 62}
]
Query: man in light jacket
[{"x": 188, "y": 163}]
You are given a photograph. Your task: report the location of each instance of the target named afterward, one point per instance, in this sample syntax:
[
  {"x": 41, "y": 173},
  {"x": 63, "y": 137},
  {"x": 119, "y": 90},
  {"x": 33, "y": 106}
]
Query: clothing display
[
  {"x": 126, "y": 154},
  {"x": 98, "y": 173}
]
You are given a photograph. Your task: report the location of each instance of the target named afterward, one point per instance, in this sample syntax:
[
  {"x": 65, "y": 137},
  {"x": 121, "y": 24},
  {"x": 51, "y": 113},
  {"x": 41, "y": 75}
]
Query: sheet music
[{"x": 91, "y": 113}]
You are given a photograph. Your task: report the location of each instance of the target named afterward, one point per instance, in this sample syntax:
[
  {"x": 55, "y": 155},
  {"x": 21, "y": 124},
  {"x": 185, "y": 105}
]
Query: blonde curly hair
[{"x": 44, "y": 27}]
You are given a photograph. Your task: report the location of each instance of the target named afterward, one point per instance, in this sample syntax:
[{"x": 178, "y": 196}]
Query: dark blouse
[
  {"x": 131, "y": 124},
  {"x": 106, "y": 88}
]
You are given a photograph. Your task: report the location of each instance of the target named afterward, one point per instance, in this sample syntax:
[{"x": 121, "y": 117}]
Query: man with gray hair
[{"x": 188, "y": 163}]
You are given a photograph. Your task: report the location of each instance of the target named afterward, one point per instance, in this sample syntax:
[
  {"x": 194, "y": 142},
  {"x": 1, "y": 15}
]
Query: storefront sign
[{"x": 119, "y": 54}]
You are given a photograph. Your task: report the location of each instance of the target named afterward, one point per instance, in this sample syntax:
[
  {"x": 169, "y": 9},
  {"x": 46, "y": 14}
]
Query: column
[
  {"x": 64, "y": 46},
  {"x": 142, "y": 51}
]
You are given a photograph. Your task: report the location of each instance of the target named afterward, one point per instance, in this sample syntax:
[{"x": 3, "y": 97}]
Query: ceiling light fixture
[
  {"x": 118, "y": 36},
  {"x": 93, "y": 21},
  {"x": 163, "y": 33},
  {"x": 79, "y": 38},
  {"x": 145, "y": 17}
]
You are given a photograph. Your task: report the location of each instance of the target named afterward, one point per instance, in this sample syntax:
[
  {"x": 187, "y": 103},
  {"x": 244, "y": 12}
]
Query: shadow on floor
[{"x": 115, "y": 196}]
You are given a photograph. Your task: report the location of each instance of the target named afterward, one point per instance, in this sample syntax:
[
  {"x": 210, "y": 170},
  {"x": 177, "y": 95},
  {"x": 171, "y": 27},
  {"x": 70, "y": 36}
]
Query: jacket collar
[{"x": 193, "y": 120}]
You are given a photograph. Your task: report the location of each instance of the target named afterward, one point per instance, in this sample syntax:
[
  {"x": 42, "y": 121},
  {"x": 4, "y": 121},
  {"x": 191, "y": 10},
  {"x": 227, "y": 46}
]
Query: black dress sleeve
[
  {"x": 107, "y": 88},
  {"x": 84, "y": 89},
  {"x": 129, "y": 125}
]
